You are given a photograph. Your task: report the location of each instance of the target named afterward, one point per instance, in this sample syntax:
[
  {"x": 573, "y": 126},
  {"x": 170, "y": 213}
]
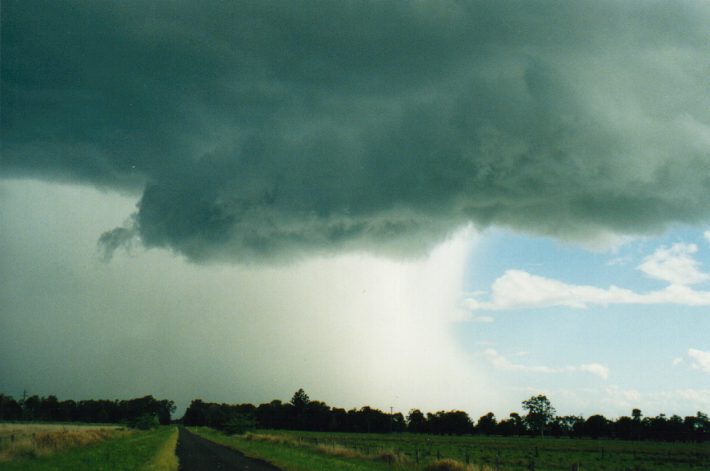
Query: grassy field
[
  {"x": 366, "y": 451},
  {"x": 292, "y": 457},
  {"x": 77, "y": 447}
]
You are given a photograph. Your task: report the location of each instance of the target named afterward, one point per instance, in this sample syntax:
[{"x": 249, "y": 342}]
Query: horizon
[{"x": 179, "y": 413}]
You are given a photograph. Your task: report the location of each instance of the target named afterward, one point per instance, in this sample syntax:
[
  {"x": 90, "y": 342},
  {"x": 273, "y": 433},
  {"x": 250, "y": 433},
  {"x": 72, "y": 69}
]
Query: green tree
[
  {"x": 416, "y": 422},
  {"x": 300, "y": 400},
  {"x": 487, "y": 424},
  {"x": 540, "y": 412}
]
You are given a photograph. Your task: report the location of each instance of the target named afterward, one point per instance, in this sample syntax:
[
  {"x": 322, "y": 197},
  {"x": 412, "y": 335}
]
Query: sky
[{"x": 432, "y": 204}]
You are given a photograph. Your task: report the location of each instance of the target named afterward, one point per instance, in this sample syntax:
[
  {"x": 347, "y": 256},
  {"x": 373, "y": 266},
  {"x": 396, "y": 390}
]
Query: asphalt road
[{"x": 197, "y": 454}]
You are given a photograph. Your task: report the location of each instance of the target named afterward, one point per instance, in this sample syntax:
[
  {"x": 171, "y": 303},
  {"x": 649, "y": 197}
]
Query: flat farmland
[{"x": 414, "y": 451}]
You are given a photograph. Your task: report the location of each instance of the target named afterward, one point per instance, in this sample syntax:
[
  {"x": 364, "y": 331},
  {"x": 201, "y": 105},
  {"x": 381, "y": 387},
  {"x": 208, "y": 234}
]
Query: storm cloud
[{"x": 259, "y": 130}]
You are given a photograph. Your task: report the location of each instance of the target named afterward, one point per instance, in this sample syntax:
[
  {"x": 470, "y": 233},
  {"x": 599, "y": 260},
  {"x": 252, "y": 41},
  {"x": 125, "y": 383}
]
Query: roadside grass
[
  {"x": 165, "y": 459},
  {"x": 119, "y": 450},
  {"x": 33, "y": 440},
  {"x": 293, "y": 456},
  {"x": 420, "y": 452}
]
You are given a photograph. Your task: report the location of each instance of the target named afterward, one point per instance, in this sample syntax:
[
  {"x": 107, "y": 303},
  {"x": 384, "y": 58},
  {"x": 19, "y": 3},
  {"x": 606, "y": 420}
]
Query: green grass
[
  {"x": 504, "y": 453},
  {"x": 288, "y": 457},
  {"x": 165, "y": 458},
  {"x": 133, "y": 451}
]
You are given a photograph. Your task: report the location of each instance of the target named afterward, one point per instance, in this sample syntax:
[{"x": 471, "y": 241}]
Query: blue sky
[{"x": 643, "y": 346}]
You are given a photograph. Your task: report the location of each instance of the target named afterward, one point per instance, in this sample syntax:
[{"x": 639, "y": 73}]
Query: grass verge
[
  {"x": 165, "y": 459},
  {"x": 128, "y": 450},
  {"x": 293, "y": 456},
  {"x": 34, "y": 440}
]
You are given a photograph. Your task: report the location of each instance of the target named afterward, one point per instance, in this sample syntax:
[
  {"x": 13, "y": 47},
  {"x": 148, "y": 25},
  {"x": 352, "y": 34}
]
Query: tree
[
  {"x": 416, "y": 422},
  {"x": 597, "y": 426},
  {"x": 540, "y": 412},
  {"x": 300, "y": 400},
  {"x": 487, "y": 424},
  {"x": 565, "y": 425}
]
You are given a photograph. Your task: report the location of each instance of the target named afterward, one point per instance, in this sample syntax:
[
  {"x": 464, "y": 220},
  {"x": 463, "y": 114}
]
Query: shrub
[
  {"x": 392, "y": 457},
  {"x": 453, "y": 465},
  {"x": 144, "y": 422},
  {"x": 238, "y": 425}
]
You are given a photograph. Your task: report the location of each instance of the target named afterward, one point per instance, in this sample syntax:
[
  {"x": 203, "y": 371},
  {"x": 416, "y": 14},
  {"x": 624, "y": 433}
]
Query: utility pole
[{"x": 391, "y": 414}]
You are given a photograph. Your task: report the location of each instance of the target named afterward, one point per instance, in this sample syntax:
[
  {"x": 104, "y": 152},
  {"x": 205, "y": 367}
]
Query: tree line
[
  {"x": 302, "y": 413},
  {"x": 140, "y": 412}
]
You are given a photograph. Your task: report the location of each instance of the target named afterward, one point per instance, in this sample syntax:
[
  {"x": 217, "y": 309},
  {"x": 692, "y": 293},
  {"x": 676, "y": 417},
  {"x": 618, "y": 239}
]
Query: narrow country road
[{"x": 197, "y": 454}]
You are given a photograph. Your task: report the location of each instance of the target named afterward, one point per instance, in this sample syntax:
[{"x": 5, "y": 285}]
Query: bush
[
  {"x": 144, "y": 422},
  {"x": 238, "y": 425},
  {"x": 453, "y": 465}
]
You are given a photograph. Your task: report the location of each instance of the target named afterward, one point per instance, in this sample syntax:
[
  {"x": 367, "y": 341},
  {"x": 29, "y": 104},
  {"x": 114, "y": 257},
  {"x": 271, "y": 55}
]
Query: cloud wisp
[
  {"x": 500, "y": 362},
  {"x": 518, "y": 289},
  {"x": 256, "y": 132},
  {"x": 674, "y": 265},
  {"x": 699, "y": 360}
]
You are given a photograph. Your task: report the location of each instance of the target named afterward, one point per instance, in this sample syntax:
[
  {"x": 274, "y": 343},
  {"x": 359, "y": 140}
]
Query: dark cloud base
[{"x": 263, "y": 130}]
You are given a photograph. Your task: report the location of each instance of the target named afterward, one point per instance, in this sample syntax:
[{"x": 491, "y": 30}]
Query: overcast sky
[{"x": 434, "y": 204}]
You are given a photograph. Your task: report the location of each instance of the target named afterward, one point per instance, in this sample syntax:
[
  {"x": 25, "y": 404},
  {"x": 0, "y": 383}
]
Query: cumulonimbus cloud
[{"x": 253, "y": 130}]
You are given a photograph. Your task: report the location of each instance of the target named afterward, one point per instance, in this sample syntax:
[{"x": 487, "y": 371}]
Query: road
[{"x": 197, "y": 454}]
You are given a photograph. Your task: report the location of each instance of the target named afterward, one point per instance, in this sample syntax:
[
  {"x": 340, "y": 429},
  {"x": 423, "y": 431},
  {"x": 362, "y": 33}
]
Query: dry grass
[
  {"x": 391, "y": 456},
  {"x": 338, "y": 450},
  {"x": 388, "y": 456},
  {"x": 453, "y": 465},
  {"x": 34, "y": 440},
  {"x": 278, "y": 439}
]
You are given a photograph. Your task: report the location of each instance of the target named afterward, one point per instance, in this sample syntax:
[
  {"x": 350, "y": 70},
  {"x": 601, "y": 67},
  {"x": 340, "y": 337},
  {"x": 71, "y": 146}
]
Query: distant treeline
[
  {"x": 134, "y": 412},
  {"x": 301, "y": 413}
]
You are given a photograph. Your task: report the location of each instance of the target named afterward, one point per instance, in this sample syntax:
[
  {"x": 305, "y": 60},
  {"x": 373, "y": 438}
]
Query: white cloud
[
  {"x": 707, "y": 235},
  {"x": 481, "y": 319},
  {"x": 614, "y": 401},
  {"x": 518, "y": 289},
  {"x": 595, "y": 369},
  {"x": 674, "y": 265},
  {"x": 502, "y": 363},
  {"x": 617, "y": 261},
  {"x": 700, "y": 359}
]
